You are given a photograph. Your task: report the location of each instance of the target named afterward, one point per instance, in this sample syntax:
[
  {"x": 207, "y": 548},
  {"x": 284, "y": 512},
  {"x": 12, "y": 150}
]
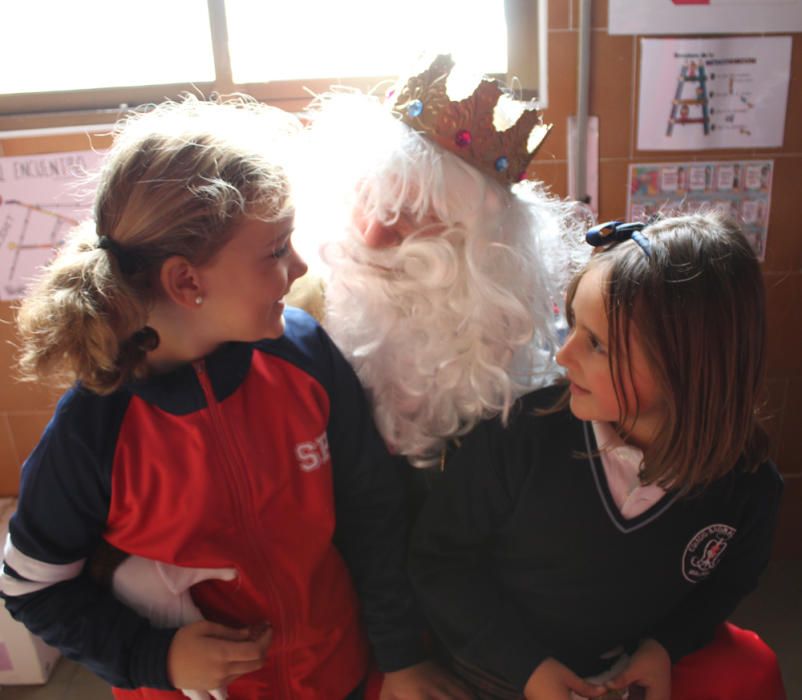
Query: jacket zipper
[{"x": 245, "y": 513}]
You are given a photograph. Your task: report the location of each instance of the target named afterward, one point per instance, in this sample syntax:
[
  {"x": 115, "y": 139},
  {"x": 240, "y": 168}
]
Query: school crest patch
[{"x": 704, "y": 551}]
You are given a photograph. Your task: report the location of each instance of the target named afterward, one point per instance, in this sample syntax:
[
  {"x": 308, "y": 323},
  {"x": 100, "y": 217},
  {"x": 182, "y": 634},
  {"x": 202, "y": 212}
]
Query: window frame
[{"x": 103, "y": 106}]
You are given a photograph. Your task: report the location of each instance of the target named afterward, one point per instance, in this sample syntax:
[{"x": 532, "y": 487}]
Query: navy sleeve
[
  {"x": 691, "y": 626},
  {"x": 451, "y": 557},
  {"x": 370, "y": 503},
  {"x": 60, "y": 519}
]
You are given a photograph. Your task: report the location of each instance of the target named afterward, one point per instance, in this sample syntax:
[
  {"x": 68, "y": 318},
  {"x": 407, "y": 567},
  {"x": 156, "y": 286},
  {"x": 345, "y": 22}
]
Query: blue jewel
[
  {"x": 502, "y": 164},
  {"x": 415, "y": 108}
]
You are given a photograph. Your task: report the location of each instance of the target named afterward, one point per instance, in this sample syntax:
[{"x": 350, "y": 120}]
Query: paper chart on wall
[
  {"x": 699, "y": 94},
  {"x": 741, "y": 189},
  {"x": 704, "y": 16},
  {"x": 41, "y": 198}
]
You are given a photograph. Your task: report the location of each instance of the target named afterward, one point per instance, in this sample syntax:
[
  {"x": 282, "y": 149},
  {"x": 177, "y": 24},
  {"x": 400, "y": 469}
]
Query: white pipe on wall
[{"x": 583, "y": 81}]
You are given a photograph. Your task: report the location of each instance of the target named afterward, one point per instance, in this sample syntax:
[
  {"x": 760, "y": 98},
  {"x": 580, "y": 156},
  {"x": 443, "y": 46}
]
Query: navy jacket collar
[{"x": 179, "y": 391}]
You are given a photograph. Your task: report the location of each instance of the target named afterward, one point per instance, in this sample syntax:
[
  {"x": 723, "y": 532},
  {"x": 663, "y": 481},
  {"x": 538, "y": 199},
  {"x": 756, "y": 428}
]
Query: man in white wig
[
  {"x": 443, "y": 288},
  {"x": 444, "y": 284}
]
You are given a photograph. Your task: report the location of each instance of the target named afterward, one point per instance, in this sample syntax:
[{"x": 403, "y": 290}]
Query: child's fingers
[
  {"x": 262, "y": 635},
  {"x": 236, "y": 651},
  {"x": 235, "y": 669},
  {"x": 217, "y": 631},
  {"x": 623, "y": 680},
  {"x": 582, "y": 687}
]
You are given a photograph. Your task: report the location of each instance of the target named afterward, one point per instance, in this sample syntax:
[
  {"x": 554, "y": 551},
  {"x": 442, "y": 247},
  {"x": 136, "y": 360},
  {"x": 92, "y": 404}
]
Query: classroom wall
[
  {"x": 614, "y": 79},
  {"x": 24, "y": 409}
]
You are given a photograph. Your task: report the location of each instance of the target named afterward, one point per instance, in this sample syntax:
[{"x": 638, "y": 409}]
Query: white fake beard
[{"x": 439, "y": 340}]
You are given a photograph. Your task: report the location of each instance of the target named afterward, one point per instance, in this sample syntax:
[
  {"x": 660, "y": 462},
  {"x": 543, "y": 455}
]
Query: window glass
[
  {"x": 52, "y": 45},
  {"x": 351, "y": 38}
]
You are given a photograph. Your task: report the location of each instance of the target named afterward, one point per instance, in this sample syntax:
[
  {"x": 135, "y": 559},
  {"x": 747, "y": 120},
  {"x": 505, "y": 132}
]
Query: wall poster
[
  {"x": 41, "y": 198},
  {"x": 698, "y": 94},
  {"x": 704, "y": 16},
  {"x": 739, "y": 188}
]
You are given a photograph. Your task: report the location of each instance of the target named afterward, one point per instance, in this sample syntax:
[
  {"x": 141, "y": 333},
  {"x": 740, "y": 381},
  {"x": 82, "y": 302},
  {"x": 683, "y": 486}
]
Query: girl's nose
[
  {"x": 298, "y": 266},
  {"x": 564, "y": 354}
]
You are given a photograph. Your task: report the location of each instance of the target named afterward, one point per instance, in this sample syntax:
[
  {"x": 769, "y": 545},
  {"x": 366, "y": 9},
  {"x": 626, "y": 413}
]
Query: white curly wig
[{"x": 452, "y": 325}]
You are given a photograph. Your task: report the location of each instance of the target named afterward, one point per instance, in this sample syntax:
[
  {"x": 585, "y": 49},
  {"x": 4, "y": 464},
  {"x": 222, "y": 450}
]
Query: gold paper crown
[{"x": 471, "y": 128}]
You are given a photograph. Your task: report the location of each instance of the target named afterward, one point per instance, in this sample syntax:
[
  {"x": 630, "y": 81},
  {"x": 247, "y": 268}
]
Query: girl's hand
[
  {"x": 205, "y": 655},
  {"x": 423, "y": 681},
  {"x": 650, "y": 668},
  {"x": 551, "y": 680}
]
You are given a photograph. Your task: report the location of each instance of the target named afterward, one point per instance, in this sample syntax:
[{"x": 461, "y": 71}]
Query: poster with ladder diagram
[
  {"x": 41, "y": 198},
  {"x": 700, "y": 94}
]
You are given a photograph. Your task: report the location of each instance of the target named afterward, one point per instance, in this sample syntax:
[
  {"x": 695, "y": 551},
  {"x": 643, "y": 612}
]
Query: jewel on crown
[{"x": 489, "y": 129}]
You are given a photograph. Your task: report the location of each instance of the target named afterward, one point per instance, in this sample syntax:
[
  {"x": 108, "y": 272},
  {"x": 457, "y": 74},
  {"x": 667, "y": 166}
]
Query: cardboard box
[{"x": 24, "y": 658}]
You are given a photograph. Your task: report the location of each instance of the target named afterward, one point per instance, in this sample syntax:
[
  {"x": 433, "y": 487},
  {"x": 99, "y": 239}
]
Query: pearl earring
[{"x": 199, "y": 300}]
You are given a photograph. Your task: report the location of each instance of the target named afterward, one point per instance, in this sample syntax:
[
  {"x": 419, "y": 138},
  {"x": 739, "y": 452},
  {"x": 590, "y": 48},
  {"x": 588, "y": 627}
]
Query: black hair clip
[{"x": 617, "y": 231}]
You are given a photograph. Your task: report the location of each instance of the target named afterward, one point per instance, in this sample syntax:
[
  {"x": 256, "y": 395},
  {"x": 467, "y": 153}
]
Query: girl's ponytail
[{"x": 72, "y": 319}]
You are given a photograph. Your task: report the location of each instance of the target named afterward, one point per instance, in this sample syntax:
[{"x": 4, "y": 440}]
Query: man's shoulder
[
  {"x": 546, "y": 407},
  {"x": 303, "y": 339}
]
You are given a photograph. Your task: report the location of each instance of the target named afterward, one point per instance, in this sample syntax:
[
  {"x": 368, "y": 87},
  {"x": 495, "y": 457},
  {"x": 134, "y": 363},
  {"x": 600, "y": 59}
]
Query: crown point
[
  {"x": 463, "y": 138},
  {"x": 477, "y": 128},
  {"x": 415, "y": 108}
]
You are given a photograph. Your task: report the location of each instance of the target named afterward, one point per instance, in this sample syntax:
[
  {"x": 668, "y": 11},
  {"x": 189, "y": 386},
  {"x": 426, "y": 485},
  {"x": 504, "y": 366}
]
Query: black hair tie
[
  {"x": 146, "y": 339},
  {"x": 125, "y": 259}
]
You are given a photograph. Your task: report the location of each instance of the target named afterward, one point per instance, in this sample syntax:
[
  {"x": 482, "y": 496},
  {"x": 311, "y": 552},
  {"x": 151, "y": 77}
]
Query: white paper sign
[
  {"x": 698, "y": 94},
  {"x": 704, "y": 16},
  {"x": 40, "y": 200}
]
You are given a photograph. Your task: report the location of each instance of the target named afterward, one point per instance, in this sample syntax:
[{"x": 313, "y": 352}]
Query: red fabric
[
  {"x": 736, "y": 665},
  {"x": 277, "y": 532},
  {"x": 373, "y": 684}
]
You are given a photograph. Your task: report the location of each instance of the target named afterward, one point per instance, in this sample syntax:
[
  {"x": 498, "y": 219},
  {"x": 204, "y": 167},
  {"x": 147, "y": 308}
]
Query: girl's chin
[{"x": 581, "y": 412}]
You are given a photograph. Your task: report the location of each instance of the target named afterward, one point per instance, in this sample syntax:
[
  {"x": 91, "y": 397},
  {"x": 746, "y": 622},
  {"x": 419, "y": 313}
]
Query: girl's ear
[{"x": 180, "y": 281}]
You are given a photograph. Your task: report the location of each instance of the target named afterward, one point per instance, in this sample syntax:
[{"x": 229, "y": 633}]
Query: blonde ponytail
[{"x": 71, "y": 321}]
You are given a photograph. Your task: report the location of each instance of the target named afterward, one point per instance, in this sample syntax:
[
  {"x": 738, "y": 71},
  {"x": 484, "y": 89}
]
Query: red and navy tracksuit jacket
[{"x": 262, "y": 458}]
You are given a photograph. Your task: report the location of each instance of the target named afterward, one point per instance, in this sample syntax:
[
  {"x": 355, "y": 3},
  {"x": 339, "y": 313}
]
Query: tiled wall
[
  {"x": 614, "y": 66},
  {"x": 24, "y": 410}
]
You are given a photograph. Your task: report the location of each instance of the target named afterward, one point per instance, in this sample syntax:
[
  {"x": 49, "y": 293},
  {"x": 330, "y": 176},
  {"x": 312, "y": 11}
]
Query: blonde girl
[{"x": 210, "y": 430}]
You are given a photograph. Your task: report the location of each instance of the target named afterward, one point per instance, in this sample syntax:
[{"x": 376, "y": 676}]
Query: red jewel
[
  {"x": 522, "y": 176},
  {"x": 463, "y": 138}
]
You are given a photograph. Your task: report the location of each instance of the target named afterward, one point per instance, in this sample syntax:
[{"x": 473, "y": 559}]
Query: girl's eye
[
  {"x": 281, "y": 252},
  {"x": 596, "y": 346}
]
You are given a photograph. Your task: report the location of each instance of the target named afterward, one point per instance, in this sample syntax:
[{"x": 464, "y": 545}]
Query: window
[{"x": 78, "y": 63}]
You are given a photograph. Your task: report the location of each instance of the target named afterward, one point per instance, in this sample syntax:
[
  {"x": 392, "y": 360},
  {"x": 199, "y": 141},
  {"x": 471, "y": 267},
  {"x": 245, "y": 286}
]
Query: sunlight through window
[
  {"x": 52, "y": 45},
  {"x": 353, "y": 38}
]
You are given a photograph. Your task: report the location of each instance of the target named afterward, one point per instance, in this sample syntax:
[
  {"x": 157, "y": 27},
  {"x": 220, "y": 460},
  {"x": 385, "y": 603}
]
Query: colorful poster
[
  {"x": 704, "y": 16},
  {"x": 699, "y": 94},
  {"x": 741, "y": 189},
  {"x": 41, "y": 198}
]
